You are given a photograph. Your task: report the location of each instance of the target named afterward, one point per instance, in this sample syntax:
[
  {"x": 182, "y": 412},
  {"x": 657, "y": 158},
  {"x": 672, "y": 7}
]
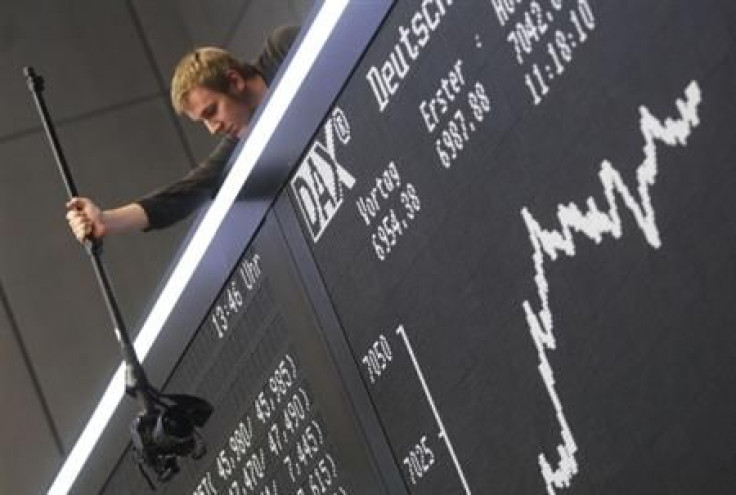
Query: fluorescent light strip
[{"x": 279, "y": 101}]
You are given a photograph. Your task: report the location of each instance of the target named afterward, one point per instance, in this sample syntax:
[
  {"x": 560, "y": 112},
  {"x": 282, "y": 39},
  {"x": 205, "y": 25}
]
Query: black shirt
[{"x": 174, "y": 202}]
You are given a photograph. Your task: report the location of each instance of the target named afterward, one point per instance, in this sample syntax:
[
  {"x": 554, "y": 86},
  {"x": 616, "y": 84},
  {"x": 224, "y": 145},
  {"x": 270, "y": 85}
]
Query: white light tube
[{"x": 290, "y": 82}]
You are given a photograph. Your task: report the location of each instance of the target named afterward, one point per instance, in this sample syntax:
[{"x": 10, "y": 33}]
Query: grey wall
[{"x": 106, "y": 66}]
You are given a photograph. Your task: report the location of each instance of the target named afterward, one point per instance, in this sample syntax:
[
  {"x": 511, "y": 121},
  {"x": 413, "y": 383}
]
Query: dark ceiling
[{"x": 106, "y": 66}]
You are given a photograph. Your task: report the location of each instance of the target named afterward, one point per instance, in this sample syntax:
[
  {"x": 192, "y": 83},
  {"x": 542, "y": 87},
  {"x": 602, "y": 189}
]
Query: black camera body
[{"x": 166, "y": 431}]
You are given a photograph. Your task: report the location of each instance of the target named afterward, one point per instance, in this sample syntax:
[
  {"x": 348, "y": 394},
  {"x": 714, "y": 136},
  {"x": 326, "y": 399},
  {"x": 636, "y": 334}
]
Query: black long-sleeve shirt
[{"x": 177, "y": 200}]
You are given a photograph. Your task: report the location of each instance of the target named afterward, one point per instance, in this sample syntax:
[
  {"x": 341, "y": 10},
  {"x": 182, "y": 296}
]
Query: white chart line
[
  {"x": 595, "y": 224},
  {"x": 443, "y": 432}
]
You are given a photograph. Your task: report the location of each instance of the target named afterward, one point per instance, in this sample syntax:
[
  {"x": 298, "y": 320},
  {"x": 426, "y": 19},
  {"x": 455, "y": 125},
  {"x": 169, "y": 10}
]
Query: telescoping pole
[
  {"x": 135, "y": 376},
  {"x": 165, "y": 428}
]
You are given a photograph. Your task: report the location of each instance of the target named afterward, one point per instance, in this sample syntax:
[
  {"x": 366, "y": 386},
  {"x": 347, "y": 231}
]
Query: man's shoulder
[
  {"x": 282, "y": 37},
  {"x": 275, "y": 49},
  {"x": 224, "y": 149}
]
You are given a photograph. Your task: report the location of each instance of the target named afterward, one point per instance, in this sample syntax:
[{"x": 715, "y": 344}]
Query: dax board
[{"x": 507, "y": 266}]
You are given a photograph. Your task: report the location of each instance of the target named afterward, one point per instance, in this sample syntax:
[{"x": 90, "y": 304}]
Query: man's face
[{"x": 226, "y": 114}]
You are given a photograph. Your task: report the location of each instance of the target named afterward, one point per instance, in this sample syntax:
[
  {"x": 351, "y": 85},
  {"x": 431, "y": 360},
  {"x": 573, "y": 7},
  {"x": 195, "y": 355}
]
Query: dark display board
[
  {"x": 522, "y": 213},
  {"x": 282, "y": 423},
  {"x": 504, "y": 265}
]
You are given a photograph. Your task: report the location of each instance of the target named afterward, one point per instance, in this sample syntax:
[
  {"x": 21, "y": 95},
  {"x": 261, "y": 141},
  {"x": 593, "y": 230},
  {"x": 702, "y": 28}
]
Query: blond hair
[{"x": 205, "y": 67}]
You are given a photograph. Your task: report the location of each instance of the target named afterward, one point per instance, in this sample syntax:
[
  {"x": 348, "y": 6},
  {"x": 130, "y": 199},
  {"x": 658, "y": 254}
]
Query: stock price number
[
  {"x": 251, "y": 474},
  {"x": 322, "y": 480},
  {"x": 459, "y": 130},
  {"x": 294, "y": 416},
  {"x": 378, "y": 358},
  {"x": 419, "y": 461},
  {"x": 393, "y": 226},
  {"x": 279, "y": 384},
  {"x": 307, "y": 449}
]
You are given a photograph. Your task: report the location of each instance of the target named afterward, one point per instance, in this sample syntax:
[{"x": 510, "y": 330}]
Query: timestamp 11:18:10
[{"x": 560, "y": 51}]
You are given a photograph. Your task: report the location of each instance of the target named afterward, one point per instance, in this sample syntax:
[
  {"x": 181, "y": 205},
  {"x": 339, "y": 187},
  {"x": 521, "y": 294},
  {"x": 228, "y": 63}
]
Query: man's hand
[{"x": 85, "y": 219}]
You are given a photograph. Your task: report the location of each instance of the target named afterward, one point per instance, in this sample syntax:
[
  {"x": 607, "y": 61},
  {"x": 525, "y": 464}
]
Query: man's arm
[
  {"x": 157, "y": 210},
  {"x": 87, "y": 220},
  {"x": 179, "y": 199}
]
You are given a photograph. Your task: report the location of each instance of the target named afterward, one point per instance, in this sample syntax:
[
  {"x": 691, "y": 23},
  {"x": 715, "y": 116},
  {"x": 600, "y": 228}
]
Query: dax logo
[{"x": 320, "y": 181}]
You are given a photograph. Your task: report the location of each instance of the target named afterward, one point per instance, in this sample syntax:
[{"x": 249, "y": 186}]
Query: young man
[{"x": 211, "y": 87}]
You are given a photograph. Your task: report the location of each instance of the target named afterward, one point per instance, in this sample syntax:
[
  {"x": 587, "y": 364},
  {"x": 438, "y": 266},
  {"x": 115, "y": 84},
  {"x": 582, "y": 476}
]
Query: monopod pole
[
  {"x": 165, "y": 428},
  {"x": 136, "y": 380}
]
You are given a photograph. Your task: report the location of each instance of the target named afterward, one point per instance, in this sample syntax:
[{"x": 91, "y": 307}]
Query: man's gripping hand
[{"x": 85, "y": 219}]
